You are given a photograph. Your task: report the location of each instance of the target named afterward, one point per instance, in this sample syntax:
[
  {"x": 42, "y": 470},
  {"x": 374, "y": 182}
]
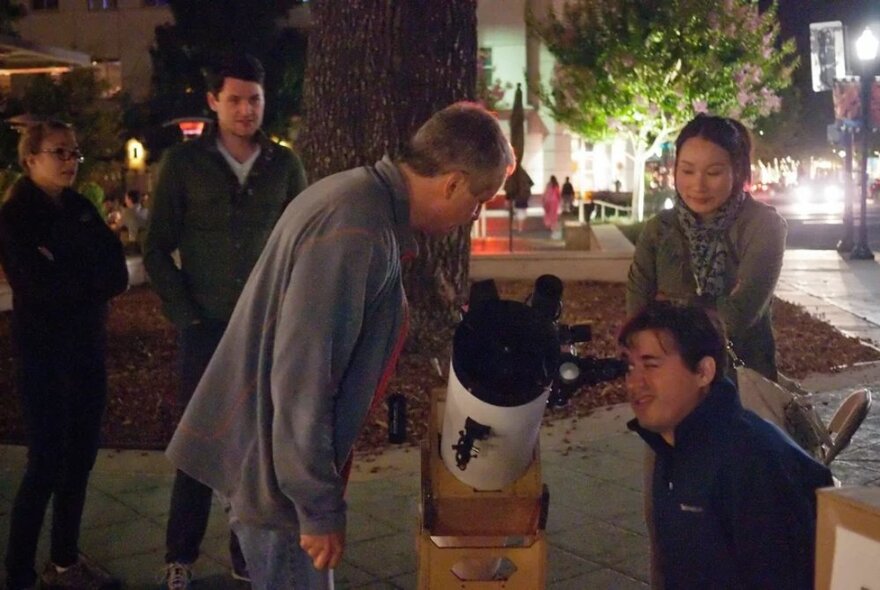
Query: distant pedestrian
[
  {"x": 134, "y": 218},
  {"x": 519, "y": 186},
  {"x": 64, "y": 264},
  {"x": 110, "y": 209},
  {"x": 567, "y": 196},
  {"x": 551, "y": 201},
  {"x": 216, "y": 202}
]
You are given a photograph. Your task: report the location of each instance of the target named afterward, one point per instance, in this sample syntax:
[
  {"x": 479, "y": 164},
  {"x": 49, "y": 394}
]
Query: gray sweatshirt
[{"x": 310, "y": 345}]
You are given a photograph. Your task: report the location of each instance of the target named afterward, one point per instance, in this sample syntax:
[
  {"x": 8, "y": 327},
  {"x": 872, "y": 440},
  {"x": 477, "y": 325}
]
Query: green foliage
[
  {"x": 647, "y": 66},
  {"x": 7, "y": 179},
  {"x": 9, "y": 13},
  {"x": 490, "y": 93},
  {"x": 8, "y": 147},
  {"x": 643, "y": 68},
  {"x": 94, "y": 193},
  {"x": 184, "y": 49},
  {"x": 77, "y": 97}
]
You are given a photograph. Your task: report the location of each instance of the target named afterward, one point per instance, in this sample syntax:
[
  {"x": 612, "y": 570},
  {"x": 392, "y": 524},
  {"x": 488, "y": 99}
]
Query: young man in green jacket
[{"x": 216, "y": 203}]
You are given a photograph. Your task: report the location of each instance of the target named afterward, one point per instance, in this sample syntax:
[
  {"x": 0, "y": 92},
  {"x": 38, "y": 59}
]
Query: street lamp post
[
  {"x": 866, "y": 51},
  {"x": 846, "y": 244}
]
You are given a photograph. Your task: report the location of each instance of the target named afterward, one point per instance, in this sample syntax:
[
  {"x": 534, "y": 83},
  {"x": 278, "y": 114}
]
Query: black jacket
[
  {"x": 734, "y": 500},
  {"x": 62, "y": 261}
]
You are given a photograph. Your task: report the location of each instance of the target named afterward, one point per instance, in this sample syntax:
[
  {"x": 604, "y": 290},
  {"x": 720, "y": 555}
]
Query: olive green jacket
[
  {"x": 218, "y": 226},
  {"x": 756, "y": 242}
]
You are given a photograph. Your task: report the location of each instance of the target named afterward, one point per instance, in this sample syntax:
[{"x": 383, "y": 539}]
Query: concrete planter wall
[{"x": 608, "y": 260}]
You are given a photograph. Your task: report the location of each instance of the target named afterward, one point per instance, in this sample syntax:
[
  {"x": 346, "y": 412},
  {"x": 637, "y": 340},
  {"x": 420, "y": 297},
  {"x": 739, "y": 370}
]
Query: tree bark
[{"x": 376, "y": 70}]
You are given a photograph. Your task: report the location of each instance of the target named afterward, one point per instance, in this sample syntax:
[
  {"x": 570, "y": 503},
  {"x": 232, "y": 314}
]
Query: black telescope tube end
[{"x": 482, "y": 291}]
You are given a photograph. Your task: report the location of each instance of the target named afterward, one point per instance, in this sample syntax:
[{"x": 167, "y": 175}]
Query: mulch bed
[{"x": 142, "y": 359}]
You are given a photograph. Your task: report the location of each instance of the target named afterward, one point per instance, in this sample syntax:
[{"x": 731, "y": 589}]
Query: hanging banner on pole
[
  {"x": 847, "y": 96},
  {"x": 875, "y": 104},
  {"x": 827, "y": 54}
]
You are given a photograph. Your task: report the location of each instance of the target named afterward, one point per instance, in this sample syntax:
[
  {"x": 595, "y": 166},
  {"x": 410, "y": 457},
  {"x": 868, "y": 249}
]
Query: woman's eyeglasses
[{"x": 65, "y": 155}]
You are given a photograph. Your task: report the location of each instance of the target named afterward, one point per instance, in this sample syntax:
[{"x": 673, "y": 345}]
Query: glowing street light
[{"x": 867, "y": 45}]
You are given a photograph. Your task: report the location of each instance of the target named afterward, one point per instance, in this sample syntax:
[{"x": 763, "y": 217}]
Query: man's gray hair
[{"x": 462, "y": 137}]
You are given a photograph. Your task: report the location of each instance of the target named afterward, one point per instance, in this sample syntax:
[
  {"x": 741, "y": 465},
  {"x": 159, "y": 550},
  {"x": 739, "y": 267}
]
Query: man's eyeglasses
[{"x": 65, "y": 155}]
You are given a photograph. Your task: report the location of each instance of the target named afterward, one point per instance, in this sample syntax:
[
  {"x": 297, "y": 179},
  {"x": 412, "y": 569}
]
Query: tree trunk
[
  {"x": 640, "y": 160},
  {"x": 378, "y": 69}
]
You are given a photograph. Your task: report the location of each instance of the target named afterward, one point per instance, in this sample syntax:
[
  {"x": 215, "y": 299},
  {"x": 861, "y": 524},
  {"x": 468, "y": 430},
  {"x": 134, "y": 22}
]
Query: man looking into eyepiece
[
  {"x": 314, "y": 339},
  {"x": 734, "y": 497}
]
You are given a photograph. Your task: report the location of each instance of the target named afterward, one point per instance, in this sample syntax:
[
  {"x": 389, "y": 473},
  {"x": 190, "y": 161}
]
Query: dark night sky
[{"x": 795, "y": 17}]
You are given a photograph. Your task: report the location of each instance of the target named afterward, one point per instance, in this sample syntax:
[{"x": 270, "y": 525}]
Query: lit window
[
  {"x": 44, "y": 4},
  {"x": 102, "y": 5}
]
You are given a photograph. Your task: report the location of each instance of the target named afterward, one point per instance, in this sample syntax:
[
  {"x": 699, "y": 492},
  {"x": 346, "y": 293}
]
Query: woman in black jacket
[{"x": 63, "y": 264}]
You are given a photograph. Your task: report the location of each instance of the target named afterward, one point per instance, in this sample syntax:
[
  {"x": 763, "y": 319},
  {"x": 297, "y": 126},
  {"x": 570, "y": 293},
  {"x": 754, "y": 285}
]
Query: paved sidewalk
[
  {"x": 844, "y": 293},
  {"x": 592, "y": 467}
]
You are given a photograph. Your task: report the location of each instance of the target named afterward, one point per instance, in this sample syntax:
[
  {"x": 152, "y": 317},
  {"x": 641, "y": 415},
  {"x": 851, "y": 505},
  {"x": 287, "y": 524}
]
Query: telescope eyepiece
[{"x": 547, "y": 297}]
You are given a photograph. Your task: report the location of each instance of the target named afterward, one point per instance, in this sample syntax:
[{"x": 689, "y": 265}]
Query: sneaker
[
  {"x": 241, "y": 575},
  {"x": 83, "y": 575},
  {"x": 178, "y": 576}
]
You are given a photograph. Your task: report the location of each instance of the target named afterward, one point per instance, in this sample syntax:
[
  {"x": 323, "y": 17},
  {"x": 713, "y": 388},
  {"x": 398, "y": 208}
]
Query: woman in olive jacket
[
  {"x": 63, "y": 264},
  {"x": 717, "y": 246}
]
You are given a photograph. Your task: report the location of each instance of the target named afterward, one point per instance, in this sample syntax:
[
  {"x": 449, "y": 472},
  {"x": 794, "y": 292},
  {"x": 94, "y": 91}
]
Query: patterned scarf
[{"x": 707, "y": 244}]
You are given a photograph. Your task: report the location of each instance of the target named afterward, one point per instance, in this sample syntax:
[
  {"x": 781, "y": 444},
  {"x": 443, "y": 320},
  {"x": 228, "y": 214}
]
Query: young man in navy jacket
[{"x": 734, "y": 497}]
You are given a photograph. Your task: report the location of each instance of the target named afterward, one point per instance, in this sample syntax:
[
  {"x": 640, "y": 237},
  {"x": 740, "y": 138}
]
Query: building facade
[
  {"x": 118, "y": 34},
  {"x": 510, "y": 56}
]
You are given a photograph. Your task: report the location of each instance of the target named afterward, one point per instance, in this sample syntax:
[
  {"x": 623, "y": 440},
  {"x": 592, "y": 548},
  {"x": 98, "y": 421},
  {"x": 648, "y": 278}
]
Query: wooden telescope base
[{"x": 478, "y": 540}]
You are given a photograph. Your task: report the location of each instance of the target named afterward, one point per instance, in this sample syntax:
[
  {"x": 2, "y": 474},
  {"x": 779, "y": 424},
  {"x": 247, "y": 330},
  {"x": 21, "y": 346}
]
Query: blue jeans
[{"x": 277, "y": 562}]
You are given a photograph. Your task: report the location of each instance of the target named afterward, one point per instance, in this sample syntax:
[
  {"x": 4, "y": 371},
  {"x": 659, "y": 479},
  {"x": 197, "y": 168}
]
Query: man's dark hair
[
  {"x": 695, "y": 331},
  {"x": 241, "y": 66},
  {"x": 134, "y": 196},
  {"x": 728, "y": 134},
  {"x": 462, "y": 137}
]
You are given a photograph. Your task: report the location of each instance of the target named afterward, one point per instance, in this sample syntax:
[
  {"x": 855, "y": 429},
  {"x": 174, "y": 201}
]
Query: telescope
[
  {"x": 481, "y": 474},
  {"x": 510, "y": 360}
]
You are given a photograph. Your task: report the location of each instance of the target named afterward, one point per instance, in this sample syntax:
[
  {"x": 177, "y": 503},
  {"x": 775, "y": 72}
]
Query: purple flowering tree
[{"x": 642, "y": 68}]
